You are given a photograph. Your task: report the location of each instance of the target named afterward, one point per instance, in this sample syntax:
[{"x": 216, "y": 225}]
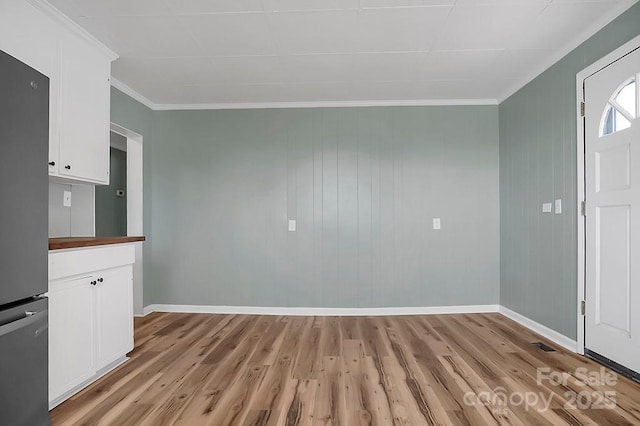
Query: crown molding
[
  {"x": 132, "y": 93},
  {"x": 310, "y": 104},
  {"x": 52, "y": 12},
  {"x": 327, "y": 104},
  {"x": 581, "y": 37}
]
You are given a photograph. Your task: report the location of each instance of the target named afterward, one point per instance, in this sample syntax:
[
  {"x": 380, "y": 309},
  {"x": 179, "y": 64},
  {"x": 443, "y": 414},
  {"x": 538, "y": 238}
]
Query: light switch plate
[
  {"x": 546, "y": 208},
  {"x": 436, "y": 223},
  {"x": 292, "y": 225},
  {"x": 558, "y": 206},
  {"x": 66, "y": 199}
]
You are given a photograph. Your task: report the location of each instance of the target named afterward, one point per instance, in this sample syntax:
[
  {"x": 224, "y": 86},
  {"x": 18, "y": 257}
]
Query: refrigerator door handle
[{"x": 28, "y": 319}]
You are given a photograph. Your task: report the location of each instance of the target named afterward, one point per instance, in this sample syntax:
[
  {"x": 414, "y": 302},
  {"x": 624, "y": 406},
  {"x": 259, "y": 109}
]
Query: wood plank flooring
[{"x": 200, "y": 369}]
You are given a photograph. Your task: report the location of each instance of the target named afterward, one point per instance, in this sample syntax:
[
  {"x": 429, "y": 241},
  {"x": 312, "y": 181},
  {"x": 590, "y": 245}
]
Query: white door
[
  {"x": 612, "y": 174},
  {"x": 114, "y": 314},
  {"x": 70, "y": 335}
]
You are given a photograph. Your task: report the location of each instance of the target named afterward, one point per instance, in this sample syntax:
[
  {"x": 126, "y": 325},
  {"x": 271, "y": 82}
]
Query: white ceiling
[{"x": 297, "y": 51}]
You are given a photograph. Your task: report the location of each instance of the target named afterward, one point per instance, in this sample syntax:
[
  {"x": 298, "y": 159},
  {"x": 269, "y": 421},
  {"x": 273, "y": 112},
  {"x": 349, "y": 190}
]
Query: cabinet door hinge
[
  {"x": 583, "y": 307},
  {"x": 582, "y": 108},
  {"x": 583, "y": 208}
]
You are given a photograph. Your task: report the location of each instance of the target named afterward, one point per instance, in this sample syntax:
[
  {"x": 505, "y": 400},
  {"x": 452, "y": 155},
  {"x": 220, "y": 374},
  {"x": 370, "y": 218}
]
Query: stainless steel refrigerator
[{"x": 24, "y": 136}]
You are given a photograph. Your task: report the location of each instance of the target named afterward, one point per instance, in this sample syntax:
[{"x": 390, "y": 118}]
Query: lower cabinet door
[
  {"x": 71, "y": 335},
  {"x": 114, "y": 314}
]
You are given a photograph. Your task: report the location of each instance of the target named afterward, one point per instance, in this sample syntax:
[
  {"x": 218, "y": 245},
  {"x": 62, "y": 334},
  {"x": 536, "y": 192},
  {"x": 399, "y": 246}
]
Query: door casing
[{"x": 580, "y": 167}]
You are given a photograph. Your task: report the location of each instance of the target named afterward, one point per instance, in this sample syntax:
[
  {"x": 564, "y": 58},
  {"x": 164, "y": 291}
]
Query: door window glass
[{"x": 621, "y": 109}]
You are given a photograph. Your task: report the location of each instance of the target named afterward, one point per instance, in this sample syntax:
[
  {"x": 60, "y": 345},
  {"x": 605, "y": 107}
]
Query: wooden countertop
[{"x": 75, "y": 242}]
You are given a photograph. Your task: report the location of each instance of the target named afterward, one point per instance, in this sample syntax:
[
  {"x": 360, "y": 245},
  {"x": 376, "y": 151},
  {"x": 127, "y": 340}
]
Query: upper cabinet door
[{"x": 84, "y": 113}]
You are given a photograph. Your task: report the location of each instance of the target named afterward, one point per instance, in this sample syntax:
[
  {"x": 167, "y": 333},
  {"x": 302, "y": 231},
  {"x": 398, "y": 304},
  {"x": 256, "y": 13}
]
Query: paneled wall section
[
  {"x": 538, "y": 164},
  {"x": 363, "y": 185}
]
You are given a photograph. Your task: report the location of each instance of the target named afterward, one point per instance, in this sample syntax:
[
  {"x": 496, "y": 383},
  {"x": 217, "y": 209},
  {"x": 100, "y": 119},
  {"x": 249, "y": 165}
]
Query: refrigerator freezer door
[
  {"x": 24, "y": 192},
  {"x": 24, "y": 365}
]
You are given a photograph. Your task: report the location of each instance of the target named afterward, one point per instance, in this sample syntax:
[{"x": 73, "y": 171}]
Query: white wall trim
[
  {"x": 588, "y": 31},
  {"x": 580, "y": 197},
  {"x": 598, "y": 65},
  {"x": 52, "y": 12},
  {"x": 534, "y": 326},
  {"x": 132, "y": 93},
  {"x": 601, "y": 63},
  {"x": 122, "y": 131},
  {"x": 135, "y": 213},
  {"x": 311, "y": 104},
  {"x": 542, "y": 330},
  {"x": 590, "y": 28},
  {"x": 292, "y": 311},
  {"x": 327, "y": 104}
]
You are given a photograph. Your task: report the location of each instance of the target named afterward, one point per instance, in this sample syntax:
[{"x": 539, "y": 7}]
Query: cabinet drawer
[{"x": 69, "y": 263}]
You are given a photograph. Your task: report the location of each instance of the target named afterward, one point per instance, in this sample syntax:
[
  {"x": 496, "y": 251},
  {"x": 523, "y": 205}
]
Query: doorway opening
[
  {"x": 129, "y": 143},
  {"x": 111, "y": 200}
]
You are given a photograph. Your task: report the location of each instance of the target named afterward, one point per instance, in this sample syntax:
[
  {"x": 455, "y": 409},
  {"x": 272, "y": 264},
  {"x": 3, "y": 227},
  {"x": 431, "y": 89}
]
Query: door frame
[
  {"x": 135, "y": 213},
  {"x": 599, "y": 65}
]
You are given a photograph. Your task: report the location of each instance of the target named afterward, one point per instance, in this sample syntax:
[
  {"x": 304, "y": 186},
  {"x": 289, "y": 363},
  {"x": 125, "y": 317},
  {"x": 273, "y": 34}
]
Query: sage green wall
[
  {"x": 134, "y": 116},
  {"x": 111, "y": 210},
  {"x": 538, "y": 255},
  {"x": 363, "y": 185}
]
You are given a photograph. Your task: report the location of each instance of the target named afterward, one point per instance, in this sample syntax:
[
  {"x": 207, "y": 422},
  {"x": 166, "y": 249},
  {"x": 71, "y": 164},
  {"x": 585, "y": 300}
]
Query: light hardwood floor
[{"x": 199, "y": 369}]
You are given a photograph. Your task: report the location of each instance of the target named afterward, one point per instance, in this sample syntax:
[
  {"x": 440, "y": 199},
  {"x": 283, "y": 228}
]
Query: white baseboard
[
  {"x": 291, "y": 311},
  {"x": 542, "y": 330},
  {"x": 147, "y": 310}
]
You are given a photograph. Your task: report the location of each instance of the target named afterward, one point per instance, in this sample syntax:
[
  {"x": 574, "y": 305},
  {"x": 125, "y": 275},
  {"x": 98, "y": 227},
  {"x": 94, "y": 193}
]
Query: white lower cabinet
[
  {"x": 90, "y": 318},
  {"x": 113, "y": 315},
  {"x": 71, "y": 335}
]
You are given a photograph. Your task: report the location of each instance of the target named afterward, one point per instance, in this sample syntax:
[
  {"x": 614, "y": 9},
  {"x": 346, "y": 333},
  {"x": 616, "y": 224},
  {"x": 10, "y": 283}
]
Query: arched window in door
[{"x": 621, "y": 109}]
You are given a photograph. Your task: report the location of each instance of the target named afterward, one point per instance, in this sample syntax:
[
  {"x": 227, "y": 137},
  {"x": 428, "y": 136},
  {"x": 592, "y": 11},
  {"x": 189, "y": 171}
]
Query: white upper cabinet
[
  {"x": 84, "y": 113},
  {"x": 79, "y": 69}
]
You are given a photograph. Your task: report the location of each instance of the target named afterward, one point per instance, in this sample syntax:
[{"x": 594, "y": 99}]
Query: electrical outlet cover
[{"x": 66, "y": 199}]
